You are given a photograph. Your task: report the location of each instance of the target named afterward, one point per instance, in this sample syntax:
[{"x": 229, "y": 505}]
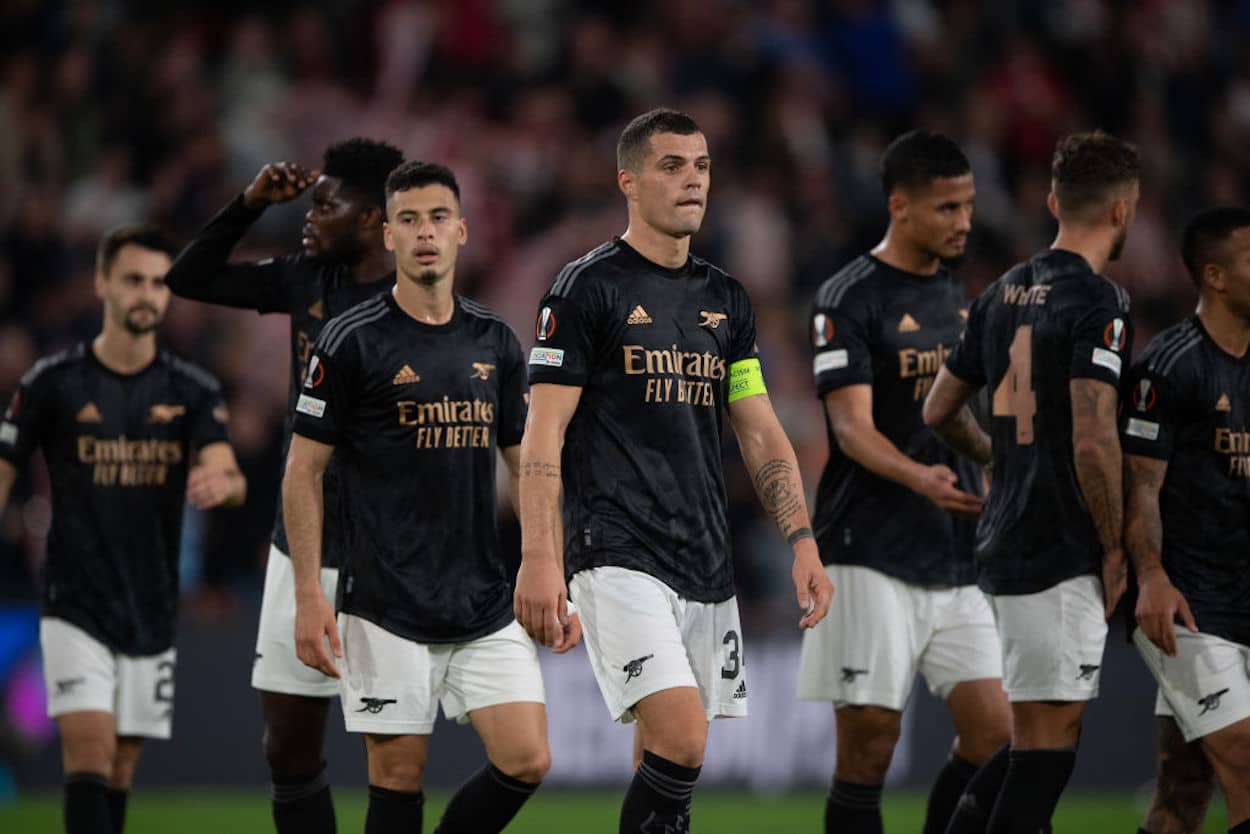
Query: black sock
[
  {"x": 947, "y": 789},
  {"x": 1242, "y": 827},
  {"x": 1143, "y": 831},
  {"x": 853, "y": 809},
  {"x": 117, "y": 809},
  {"x": 304, "y": 807},
  {"x": 659, "y": 797},
  {"x": 1035, "y": 780},
  {"x": 486, "y": 803},
  {"x": 394, "y": 812},
  {"x": 87, "y": 804},
  {"x": 972, "y": 814}
]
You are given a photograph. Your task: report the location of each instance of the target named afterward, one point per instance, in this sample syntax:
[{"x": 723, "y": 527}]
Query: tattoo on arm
[
  {"x": 799, "y": 535},
  {"x": 777, "y": 485},
  {"x": 1099, "y": 470},
  {"x": 540, "y": 469},
  {"x": 963, "y": 434},
  {"x": 1143, "y": 528},
  {"x": 1184, "y": 784}
]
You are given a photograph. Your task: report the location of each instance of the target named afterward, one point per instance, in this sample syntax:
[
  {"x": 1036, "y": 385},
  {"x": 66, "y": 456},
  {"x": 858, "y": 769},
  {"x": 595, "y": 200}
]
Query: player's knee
[
  {"x": 290, "y": 760},
  {"x": 397, "y": 774},
  {"x": 869, "y": 758},
  {"x": 91, "y": 754},
  {"x": 529, "y": 765},
  {"x": 980, "y": 745},
  {"x": 685, "y": 747}
]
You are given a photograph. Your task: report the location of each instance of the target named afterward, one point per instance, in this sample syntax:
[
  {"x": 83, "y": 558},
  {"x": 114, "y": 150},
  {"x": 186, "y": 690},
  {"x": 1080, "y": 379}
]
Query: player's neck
[
  {"x": 896, "y": 253},
  {"x": 376, "y": 263},
  {"x": 1227, "y": 329},
  {"x": 1094, "y": 245},
  {"x": 656, "y": 246},
  {"x": 427, "y": 303},
  {"x": 122, "y": 351}
]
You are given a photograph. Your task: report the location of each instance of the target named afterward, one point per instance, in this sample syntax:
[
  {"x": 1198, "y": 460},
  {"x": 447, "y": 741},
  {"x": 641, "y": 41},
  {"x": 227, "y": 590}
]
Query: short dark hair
[
  {"x": 1206, "y": 233},
  {"x": 636, "y": 137},
  {"x": 416, "y": 174},
  {"x": 1087, "y": 166},
  {"x": 146, "y": 235},
  {"x": 918, "y": 157},
  {"x": 362, "y": 165}
]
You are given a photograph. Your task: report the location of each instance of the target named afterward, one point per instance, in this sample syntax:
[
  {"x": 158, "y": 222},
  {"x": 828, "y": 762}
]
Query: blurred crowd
[{"x": 112, "y": 111}]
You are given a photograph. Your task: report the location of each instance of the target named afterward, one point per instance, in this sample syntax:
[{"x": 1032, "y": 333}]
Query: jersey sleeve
[
  {"x": 20, "y": 429},
  {"x": 513, "y": 393},
  {"x": 1100, "y": 344},
  {"x": 209, "y": 418},
  {"x": 202, "y": 272},
  {"x": 742, "y": 338},
  {"x": 1148, "y": 416},
  {"x": 965, "y": 361},
  {"x": 328, "y": 391},
  {"x": 841, "y": 354},
  {"x": 567, "y": 333}
]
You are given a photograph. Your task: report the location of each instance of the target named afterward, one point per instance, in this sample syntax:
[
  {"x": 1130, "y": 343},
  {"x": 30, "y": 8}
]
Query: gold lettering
[
  {"x": 1239, "y": 466},
  {"x": 1026, "y": 296}
]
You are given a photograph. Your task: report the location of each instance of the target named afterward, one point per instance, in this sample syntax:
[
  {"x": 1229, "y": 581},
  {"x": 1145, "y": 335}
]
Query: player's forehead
[
  {"x": 423, "y": 199},
  {"x": 133, "y": 259},
  {"x": 1238, "y": 243},
  {"x": 941, "y": 190},
  {"x": 327, "y": 188},
  {"x": 675, "y": 145}
]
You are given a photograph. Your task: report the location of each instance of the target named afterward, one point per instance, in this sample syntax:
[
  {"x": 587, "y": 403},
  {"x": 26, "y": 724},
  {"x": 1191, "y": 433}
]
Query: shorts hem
[
  {"x": 867, "y": 699},
  {"x": 317, "y": 690},
  {"x": 70, "y": 709},
  {"x": 158, "y": 733},
  {"x": 1196, "y": 733},
  {"x": 944, "y": 691},
  {"x": 462, "y": 717},
  {"x": 727, "y": 711},
  {"x": 623, "y": 711},
  {"x": 1018, "y": 695},
  {"x": 390, "y": 728}
]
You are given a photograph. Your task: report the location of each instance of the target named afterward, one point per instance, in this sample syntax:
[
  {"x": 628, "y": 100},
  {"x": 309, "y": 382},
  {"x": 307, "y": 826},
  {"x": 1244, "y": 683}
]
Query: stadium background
[{"x": 116, "y": 111}]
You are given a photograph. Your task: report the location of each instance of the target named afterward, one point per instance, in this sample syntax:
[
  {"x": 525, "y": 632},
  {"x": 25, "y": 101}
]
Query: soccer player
[
  {"x": 895, "y": 509},
  {"x": 417, "y": 391},
  {"x": 642, "y": 348},
  {"x": 1051, "y": 337},
  {"x": 342, "y": 263},
  {"x": 129, "y": 431},
  {"x": 1186, "y": 436}
]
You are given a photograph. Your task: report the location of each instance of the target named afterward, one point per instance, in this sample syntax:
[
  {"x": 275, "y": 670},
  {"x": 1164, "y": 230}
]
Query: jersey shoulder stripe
[
  {"x": 709, "y": 266},
  {"x": 834, "y": 290},
  {"x": 1121, "y": 294},
  {"x": 190, "y": 370},
  {"x": 362, "y": 313},
  {"x": 477, "y": 310},
  {"x": 573, "y": 270},
  {"x": 1172, "y": 346},
  {"x": 48, "y": 363}
]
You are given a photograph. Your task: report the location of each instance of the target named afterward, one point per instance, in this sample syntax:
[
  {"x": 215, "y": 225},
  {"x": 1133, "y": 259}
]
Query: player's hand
[
  {"x": 541, "y": 600},
  {"x": 208, "y": 487},
  {"x": 1158, "y": 604},
  {"x": 278, "y": 182},
  {"x": 314, "y": 622},
  {"x": 571, "y": 637},
  {"x": 812, "y": 584},
  {"x": 937, "y": 483},
  {"x": 1114, "y": 580}
]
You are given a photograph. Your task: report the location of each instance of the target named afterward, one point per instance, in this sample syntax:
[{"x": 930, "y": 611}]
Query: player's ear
[
  {"x": 1052, "y": 204},
  {"x": 897, "y": 204},
  {"x": 99, "y": 284},
  {"x": 371, "y": 217},
  {"x": 1119, "y": 212},
  {"x": 627, "y": 183},
  {"x": 1213, "y": 277},
  {"x": 463, "y": 234},
  {"x": 387, "y": 240}
]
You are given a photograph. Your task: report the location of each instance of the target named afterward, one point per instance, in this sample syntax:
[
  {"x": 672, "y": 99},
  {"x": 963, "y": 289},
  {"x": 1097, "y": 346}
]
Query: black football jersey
[
  {"x": 118, "y": 449},
  {"x": 417, "y": 414},
  {"x": 1045, "y": 322},
  {"x": 876, "y": 325}
]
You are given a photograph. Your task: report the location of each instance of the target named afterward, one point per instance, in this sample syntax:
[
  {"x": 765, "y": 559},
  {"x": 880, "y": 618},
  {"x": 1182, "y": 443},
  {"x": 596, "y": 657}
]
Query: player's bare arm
[
  {"x": 278, "y": 182},
  {"x": 304, "y": 509},
  {"x": 1099, "y": 472},
  {"x": 1158, "y": 601},
  {"x": 8, "y": 475},
  {"x": 946, "y": 412},
  {"x": 774, "y": 470},
  {"x": 1184, "y": 785},
  {"x": 541, "y": 600},
  {"x": 215, "y": 480},
  {"x": 850, "y": 413}
]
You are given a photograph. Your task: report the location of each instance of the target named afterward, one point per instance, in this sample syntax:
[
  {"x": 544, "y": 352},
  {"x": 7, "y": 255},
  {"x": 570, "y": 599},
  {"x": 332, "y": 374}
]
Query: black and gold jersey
[
  {"x": 876, "y": 325},
  {"x": 651, "y": 348},
  {"x": 1044, "y": 323},
  {"x": 1188, "y": 403},
  {"x": 310, "y": 291},
  {"x": 118, "y": 448},
  {"x": 416, "y": 414}
]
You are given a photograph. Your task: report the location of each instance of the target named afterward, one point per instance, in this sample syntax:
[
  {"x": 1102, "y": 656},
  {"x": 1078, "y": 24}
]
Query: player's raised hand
[
  {"x": 541, "y": 601},
  {"x": 1114, "y": 580},
  {"x": 314, "y": 622},
  {"x": 278, "y": 182},
  {"x": 1158, "y": 605},
  {"x": 572, "y": 635},
  {"x": 812, "y": 585},
  {"x": 937, "y": 483},
  {"x": 208, "y": 487}
]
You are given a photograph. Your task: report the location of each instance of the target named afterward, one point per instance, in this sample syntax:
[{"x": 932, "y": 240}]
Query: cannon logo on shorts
[
  {"x": 849, "y": 675},
  {"x": 1210, "y": 703},
  {"x": 1087, "y": 671},
  {"x": 375, "y": 705},
  {"x": 634, "y": 668},
  {"x": 64, "y": 687}
]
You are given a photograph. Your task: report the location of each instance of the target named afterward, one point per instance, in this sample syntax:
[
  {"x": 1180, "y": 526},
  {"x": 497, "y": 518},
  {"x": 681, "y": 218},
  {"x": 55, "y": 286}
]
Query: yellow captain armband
[{"x": 745, "y": 379}]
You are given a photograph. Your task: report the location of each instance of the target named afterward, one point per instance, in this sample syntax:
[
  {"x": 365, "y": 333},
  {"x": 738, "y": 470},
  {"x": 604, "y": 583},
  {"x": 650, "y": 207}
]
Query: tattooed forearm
[
  {"x": 964, "y": 435},
  {"x": 540, "y": 469},
  {"x": 1184, "y": 784},
  {"x": 1143, "y": 524},
  {"x": 799, "y": 535},
  {"x": 1096, "y": 455},
  {"x": 777, "y": 485}
]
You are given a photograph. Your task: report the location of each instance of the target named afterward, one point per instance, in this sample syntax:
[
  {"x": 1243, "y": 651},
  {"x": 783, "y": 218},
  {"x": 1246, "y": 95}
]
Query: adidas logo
[
  {"x": 89, "y": 413},
  {"x": 405, "y": 376},
  {"x": 638, "y": 316},
  {"x": 317, "y": 310},
  {"x": 908, "y": 324},
  {"x": 741, "y": 691},
  {"x": 1222, "y": 404}
]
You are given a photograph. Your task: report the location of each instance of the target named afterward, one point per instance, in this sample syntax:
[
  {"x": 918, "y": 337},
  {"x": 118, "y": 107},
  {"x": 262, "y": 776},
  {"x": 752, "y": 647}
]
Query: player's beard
[{"x": 136, "y": 328}]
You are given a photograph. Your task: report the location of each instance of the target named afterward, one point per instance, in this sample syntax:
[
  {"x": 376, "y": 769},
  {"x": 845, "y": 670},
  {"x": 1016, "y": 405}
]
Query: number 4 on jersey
[{"x": 1014, "y": 396}]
